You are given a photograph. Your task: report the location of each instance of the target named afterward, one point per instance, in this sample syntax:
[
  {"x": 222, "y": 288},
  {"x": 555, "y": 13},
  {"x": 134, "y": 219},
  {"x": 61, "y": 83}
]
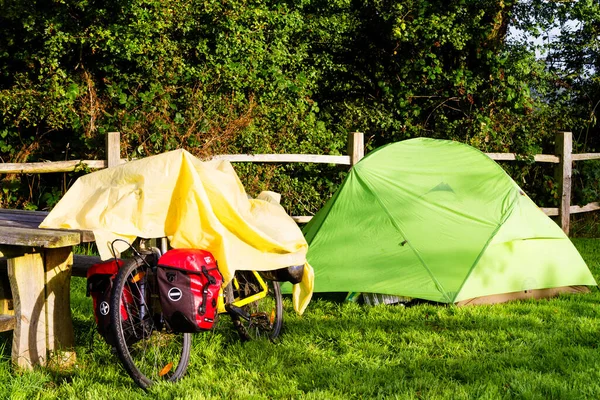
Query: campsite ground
[{"x": 532, "y": 350}]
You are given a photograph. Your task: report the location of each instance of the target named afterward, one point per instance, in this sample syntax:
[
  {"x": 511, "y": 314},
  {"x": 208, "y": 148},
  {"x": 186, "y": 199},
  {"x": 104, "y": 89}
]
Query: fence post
[
  {"x": 356, "y": 147},
  {"x": 564, "y": 149},
  {"x": 113, "y": 149}
]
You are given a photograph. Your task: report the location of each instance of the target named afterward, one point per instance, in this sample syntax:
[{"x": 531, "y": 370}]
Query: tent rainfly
[{"x": 439, "y": 220}]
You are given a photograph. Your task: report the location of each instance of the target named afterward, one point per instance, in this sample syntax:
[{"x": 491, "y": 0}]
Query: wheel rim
[{"x": 148, "y": 349}]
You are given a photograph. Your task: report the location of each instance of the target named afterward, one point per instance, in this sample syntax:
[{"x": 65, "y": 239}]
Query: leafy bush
[{"x": 234, "y": 76}]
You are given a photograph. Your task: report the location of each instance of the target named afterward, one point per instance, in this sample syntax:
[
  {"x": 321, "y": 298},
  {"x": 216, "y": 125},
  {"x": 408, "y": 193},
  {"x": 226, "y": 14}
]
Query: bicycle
[{"x": 149, "y": 349}]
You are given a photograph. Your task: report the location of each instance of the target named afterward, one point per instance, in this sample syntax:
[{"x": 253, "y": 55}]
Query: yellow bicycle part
[{"x": 240, "y": 302}]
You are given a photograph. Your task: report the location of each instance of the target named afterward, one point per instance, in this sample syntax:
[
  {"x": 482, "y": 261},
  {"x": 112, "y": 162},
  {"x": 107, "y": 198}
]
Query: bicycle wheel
[
  {"x": 262, "y": 318},
  {"x": 148, "y": 349}
]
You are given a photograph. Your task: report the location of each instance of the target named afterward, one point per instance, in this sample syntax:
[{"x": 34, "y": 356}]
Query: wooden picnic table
[{"x": 35, "y": 275}]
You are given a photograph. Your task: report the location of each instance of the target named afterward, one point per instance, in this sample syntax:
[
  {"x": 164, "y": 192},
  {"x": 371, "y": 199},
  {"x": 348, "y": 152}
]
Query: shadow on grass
[{"x": 6, "y": 345}]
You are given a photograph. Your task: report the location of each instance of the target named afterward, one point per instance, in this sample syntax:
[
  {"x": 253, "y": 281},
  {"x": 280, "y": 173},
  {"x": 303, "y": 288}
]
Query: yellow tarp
[{"x": 195, "y": 204}]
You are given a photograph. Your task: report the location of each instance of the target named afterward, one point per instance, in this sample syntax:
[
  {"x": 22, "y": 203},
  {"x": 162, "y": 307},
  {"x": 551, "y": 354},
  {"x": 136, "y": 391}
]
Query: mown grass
[{"x": 544, "y": 349}]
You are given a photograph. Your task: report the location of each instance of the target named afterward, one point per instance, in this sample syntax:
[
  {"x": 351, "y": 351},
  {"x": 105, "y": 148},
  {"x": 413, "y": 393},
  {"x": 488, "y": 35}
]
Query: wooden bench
[{"x": 35, "y": 273}]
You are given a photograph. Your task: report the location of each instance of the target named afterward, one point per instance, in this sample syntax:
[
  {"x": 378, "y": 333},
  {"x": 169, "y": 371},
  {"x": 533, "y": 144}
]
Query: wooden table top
[{"x": 20, "y": 228}]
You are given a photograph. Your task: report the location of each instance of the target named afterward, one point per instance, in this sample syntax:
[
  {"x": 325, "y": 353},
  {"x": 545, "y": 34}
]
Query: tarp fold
[{"x": 195, "y": 204}]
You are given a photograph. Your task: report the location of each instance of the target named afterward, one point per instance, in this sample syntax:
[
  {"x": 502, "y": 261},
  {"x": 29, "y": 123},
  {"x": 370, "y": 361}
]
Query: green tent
[{"x": 441, "y": 221}]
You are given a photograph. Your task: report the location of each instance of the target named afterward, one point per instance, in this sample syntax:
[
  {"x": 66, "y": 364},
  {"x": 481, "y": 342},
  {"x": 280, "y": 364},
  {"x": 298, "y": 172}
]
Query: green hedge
[{"x": 263, "y": 76}]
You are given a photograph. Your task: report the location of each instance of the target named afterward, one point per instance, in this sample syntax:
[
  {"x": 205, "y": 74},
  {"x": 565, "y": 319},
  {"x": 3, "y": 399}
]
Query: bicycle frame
[{"x": 240, "y": 302}]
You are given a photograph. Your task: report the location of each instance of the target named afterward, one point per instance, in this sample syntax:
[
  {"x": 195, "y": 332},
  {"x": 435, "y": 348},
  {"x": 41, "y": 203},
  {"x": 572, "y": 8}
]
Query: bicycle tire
[
  {"x": 264, "y": 316},
  {"x": 148, "y": 349}
]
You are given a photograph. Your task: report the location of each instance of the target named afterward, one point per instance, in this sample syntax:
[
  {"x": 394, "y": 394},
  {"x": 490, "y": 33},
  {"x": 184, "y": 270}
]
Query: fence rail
[
  {"x": 563, "y": 159},
  {"x": 514, "y": 157},
  {"x": 50, "y": 166},
  {"x": 282, "y": 158}
]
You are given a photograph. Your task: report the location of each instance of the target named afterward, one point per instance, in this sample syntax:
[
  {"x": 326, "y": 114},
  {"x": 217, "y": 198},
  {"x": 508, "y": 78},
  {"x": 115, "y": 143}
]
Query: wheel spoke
[{"x": 148, "y": 350}]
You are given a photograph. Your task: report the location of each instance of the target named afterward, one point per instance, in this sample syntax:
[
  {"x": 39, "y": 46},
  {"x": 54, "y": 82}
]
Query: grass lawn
[{"x": 544, "y": 349}]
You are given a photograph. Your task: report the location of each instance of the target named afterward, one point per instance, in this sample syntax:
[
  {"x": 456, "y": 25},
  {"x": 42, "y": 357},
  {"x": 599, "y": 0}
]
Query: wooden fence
[{"x": 563, "y": 160}]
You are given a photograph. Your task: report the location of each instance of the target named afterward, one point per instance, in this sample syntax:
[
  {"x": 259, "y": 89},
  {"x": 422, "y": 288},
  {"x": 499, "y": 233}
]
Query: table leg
[
  {"x": 27, "y": 281},
  {"x": 59, "y": 329}
]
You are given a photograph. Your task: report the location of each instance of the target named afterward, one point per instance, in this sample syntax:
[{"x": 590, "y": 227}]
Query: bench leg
[
  {"x": 43, "y": 332},
  {"x": 27, "y": 281},
  {"x": 59, "y": 331}
]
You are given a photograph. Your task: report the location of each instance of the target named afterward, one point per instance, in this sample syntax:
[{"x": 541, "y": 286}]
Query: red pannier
[
  {"x": 189, "y": 283},
  {"x": 100, "y": 279}
]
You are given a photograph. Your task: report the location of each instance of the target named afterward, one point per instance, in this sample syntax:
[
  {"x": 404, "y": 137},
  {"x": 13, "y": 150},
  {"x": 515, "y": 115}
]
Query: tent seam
[
  {"x": 487, "y": 244},
  {"x": 332, "y": 205},
  {"x": 439, "y": 285}
]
